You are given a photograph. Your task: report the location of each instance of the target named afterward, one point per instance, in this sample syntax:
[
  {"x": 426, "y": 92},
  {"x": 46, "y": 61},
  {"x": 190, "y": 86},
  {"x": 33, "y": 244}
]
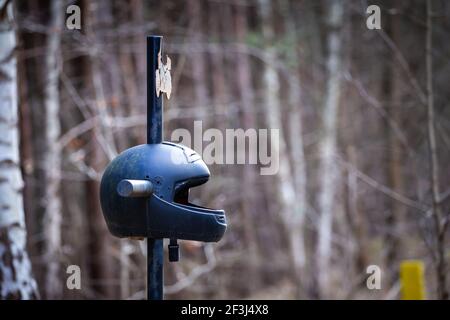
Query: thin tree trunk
[
  {"x": 220, "y": 89},
  {"x": 296, "y": 234},
  {"x": 16, "y": 279},
  {"x": 440, "y": 225},
  {"x": 198, "y": 60},
  {"x": 395, "y": 210},
  {"x": 247, "y": 100},
  {"x": 285, "y": 186},
  {"x": 33, "y": 71},
  {"x": 52, "y": 157},
  {"x": 138, "y": 8},
  {"x": 393, "y": 171},
  {"x": 118, "y": 62},
  {"x": 327, "y": 173},
  {"x": 356, "y": 219},
  {"x": 100, "y": 260},
  {"x": 26, "y": 146}
]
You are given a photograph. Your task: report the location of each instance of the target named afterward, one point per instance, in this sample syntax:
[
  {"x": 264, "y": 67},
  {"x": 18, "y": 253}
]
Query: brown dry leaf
[{"x": 163, "y": 77}]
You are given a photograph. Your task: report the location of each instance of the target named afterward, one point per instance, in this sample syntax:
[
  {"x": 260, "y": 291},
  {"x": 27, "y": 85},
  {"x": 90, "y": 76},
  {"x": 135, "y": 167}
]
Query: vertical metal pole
[
  {"x": 155, "y": 259},
  {"x": 155, "y": 253}
]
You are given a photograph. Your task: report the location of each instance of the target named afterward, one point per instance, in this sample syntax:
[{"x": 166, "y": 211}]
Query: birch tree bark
[
  {"x": 328, "y": 170},
  {"x": 16, "y": 279},
  {"x": 52, "y": 157},
  {"x": 296, "y": 235}
]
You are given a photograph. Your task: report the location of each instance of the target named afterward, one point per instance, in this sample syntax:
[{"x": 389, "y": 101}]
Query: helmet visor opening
[{"x": 181, "y": 195}]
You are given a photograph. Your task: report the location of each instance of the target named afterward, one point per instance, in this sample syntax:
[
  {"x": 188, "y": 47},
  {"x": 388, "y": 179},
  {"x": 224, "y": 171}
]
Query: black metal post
[
  {"x": 155, "y": 259},
  {"x": 154, "y": 103},
  {"x": 155, "y": 253}
]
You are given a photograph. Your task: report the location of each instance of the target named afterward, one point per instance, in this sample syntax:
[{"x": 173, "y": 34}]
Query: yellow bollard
[{"x": 412, "y": 280}]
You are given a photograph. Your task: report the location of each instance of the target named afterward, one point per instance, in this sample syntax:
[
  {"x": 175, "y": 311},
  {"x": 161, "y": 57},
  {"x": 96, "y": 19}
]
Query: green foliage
[
  {"x": 254, "y": 39},
  {"x": 286, "y": 47}
]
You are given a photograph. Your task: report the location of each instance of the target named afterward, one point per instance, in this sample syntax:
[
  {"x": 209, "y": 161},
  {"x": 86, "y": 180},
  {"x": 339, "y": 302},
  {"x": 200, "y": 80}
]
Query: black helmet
[{"x": 169, "y": 171}]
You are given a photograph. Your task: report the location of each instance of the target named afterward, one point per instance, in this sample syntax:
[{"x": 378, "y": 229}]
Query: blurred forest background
[{"x": 364, "y": 149}]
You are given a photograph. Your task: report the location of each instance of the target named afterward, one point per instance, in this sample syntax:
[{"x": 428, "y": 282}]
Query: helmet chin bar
[{"x": 175, "y": 220}]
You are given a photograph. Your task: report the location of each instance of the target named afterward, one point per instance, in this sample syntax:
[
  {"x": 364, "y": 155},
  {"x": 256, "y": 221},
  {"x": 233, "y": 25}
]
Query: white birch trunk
[
  {"x": 285, "y": 188},
  {"x": 16, "y": 280},
  {"x": 297, "y": 152},
  {"x": 299, "y": 175},
  {"x": 52, "y": 157},
  {"x": 328, "y": 170}
]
